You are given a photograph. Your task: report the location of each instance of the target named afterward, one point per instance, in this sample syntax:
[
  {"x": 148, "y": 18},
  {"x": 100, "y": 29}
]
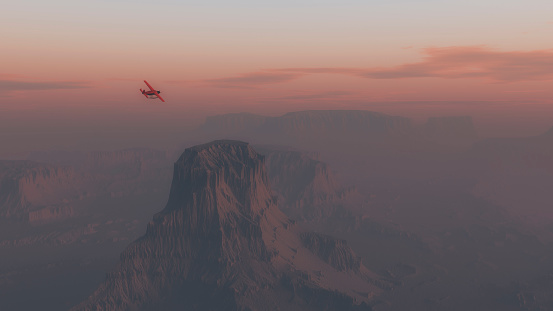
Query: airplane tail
[{"x": 143, "y": 93}]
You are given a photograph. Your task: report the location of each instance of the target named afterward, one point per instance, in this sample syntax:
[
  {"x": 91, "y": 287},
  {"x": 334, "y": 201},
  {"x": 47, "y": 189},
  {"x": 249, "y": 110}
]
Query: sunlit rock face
[{"x": 221, "y": 243}]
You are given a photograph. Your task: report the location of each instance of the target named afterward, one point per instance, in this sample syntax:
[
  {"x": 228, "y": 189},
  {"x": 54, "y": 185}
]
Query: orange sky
[{"x": 85, "y": 61}]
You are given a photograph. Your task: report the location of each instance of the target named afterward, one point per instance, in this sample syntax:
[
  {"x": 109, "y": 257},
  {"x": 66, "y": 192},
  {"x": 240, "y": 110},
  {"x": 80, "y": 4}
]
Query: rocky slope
[
  {"x": 307, "y": 188},
  {"x": 221, "y": 243}
]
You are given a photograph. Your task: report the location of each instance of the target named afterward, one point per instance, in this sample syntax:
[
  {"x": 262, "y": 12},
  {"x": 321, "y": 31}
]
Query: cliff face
[
  {"x": 10, "y": 196},
  {"x": 40, "y": 192},
  {"x": 128, "y": 163},
  {"x": 25, "y": 184},
  {"x": 333, "y": 251},
  {"x": 306, "y": 187},
  {"x": 221, "y": 243}
]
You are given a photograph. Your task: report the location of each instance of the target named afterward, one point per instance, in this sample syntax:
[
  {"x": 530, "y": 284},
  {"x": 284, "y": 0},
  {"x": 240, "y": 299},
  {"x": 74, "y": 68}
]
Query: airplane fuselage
[{"x": 151, "y": 92}]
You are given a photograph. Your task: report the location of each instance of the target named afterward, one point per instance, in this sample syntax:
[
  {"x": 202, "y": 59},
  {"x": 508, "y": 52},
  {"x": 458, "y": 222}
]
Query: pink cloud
[
  {"x": 474, "y": 62},
  {"x": 459, "y": 62}
]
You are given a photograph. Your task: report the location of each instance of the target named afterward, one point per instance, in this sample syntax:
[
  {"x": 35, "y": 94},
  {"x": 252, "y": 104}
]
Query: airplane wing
[
  {"x": 158, "y": 96},
  {"x": 148, "y": 84}
]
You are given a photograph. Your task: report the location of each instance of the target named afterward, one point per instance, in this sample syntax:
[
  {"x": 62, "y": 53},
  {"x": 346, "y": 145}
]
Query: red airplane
[{"x": 151, "y": 93}]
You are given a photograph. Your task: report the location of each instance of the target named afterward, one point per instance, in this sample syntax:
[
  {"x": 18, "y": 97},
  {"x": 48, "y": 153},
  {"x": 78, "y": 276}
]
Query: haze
[
  {"x": 341, "y": 155},
  {"x": 75, "y": 66}
]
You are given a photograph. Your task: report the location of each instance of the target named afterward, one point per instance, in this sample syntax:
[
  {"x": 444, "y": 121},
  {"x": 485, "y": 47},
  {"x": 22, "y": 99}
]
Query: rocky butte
[{"x": 221, "y": 243}]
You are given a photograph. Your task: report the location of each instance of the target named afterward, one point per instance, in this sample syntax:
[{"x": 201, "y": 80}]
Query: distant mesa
[
  {"x": 450, "y": 130},
  {"x": 515, "y": 172},
  {"x": 233, "y": 123},
  {"x": 304, "y": 124},
  {"x": 516, "y": 146},
  {"x": 342, "y": 126},
  {"x": 323, "y": 121},
  {"x": 221, "y": 243}
]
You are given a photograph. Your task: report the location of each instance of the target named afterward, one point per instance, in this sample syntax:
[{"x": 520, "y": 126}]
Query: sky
[{"x": 71, "y": 67}]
